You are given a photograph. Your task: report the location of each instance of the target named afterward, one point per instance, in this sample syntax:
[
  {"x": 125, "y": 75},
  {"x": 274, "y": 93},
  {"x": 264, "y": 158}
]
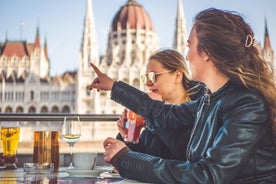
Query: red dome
[{"x": 133, "y": 14}]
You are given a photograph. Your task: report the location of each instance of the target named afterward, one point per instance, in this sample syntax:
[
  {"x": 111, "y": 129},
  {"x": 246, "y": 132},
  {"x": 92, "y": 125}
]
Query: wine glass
[{"x": 71, "y": 132}]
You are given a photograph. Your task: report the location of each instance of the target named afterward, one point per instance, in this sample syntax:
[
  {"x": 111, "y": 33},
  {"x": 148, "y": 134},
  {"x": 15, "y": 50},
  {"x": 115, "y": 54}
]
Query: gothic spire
[
  {"x": 180, "y": 29},
  {"x": 267, "y": 44},
  {"x": 89, "y": 48},
  {"x": 45, "y": 48},
  {"x": 37, "y": 42}
]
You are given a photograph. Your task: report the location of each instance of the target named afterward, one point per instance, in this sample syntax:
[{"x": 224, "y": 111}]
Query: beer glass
[
  {"x": 9, "y": 135},
  {"x": 46, "y": 147}
]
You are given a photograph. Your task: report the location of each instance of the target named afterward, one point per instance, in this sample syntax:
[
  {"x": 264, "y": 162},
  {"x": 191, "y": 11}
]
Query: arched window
[
  {"x": 32, "y": 109},
  {"x": 66, "y": 109},
  {"x": 103, "y": 93},
  {"x": 125, "y": 80},
  {"x": 88, "y": 91},
  {"x": 32, "y": 95},
  {"x": 123, "y": 56},
  {"x": 44, "y": 109},
  {"x": 8, "y": 109},
  {"x": 55, "y": 109},
  {"x": 19, "y": 109},
  {"x": 133, "y": 56},
  {"x": 136, "y": 83}
]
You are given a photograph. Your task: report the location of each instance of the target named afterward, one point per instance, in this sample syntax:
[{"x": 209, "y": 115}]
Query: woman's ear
[
  {"x": 179, "y": 76},
  {"x": 206, "y": 57}
]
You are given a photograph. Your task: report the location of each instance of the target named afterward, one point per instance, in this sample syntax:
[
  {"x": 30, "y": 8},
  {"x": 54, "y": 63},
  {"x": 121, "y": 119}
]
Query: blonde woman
[{"x": 168, "y": 80}]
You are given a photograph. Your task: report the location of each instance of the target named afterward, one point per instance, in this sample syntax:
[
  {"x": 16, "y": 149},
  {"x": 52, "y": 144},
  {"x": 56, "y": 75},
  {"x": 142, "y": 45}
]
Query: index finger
[{"x": 96, "y": 69}]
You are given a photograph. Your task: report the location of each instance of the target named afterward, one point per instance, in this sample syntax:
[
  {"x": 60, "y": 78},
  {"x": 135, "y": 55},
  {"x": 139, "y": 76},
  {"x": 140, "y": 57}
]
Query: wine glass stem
[{"x": 71, "y": 155}]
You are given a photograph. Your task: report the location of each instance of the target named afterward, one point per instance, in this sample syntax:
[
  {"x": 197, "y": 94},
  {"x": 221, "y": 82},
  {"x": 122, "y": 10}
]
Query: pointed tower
[
  {"x": 89, "y": 47},
  {"x": 45, "y": 63},
  {"x": 180, "y": 29},
  {"x": 268, "y": 53},
  {"x": 45, "y": 49},
  {"x": 37, "y": 39},
  {"x": 89, "y": 53},
  {"x": 36, "y": 55}
]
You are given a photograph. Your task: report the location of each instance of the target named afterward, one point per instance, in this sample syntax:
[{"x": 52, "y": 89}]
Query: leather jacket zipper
[{"x": 206, "y": 99}]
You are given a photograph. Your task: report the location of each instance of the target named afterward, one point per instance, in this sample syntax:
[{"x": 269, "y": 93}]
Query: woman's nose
[{"x": 149, "y": 83}]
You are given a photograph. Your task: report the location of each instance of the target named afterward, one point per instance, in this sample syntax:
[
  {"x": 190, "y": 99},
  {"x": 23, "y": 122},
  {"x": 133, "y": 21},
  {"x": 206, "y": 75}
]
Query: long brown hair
[{"x": 229, "y": 42}]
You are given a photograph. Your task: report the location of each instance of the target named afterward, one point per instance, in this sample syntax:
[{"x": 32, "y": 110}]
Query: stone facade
[{"x": 27, "y": 87}]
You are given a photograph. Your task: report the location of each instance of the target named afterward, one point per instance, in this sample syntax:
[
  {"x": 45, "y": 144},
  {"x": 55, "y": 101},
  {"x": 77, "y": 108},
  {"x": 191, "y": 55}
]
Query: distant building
[
  {"x": 25, "y": 82},
  {"x": 26, "y": 85}
]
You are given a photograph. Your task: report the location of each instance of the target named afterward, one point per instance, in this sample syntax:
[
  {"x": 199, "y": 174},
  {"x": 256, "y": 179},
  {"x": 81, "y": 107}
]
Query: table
[{"x": 60, "y": 177}]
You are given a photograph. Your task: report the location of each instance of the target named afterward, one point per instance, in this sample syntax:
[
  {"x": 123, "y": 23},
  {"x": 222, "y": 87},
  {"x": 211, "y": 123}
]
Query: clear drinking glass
[
  {"x": 46, "y": 148},
  {"x": 133, "y": 125},
  {"x": 9, "y": 135},
  {"x": 71, "y": 132}
]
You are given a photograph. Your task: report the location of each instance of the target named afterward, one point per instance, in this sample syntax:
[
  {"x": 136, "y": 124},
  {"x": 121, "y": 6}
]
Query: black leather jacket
[
  {"x": 153, "y": 144},
  {"x": 168, "y": 143},
  {"x": 231, "y": 141}
]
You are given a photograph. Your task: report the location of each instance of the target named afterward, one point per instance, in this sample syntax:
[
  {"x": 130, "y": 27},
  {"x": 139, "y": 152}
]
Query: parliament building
[{"x": 27, "y": 87}]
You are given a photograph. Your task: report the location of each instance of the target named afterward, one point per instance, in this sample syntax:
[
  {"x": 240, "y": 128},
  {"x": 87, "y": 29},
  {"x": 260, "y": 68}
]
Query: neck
[
  {"x": 217, "y": 82},
  {"x": 179, "y": 96},
  {"x": 214, "y": 78}
]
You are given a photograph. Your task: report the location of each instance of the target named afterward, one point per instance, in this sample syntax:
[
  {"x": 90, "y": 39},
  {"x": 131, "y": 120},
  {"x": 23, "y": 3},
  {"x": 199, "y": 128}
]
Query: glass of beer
[
  {"x": 10, "y": 133},
  {"x": 46, "y": 148},
  {"x": 133, "y": 125}
]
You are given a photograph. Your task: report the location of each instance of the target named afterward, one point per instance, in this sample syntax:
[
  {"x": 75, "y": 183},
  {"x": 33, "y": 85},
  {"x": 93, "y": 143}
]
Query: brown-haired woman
[{"x": 232, "y": 138}]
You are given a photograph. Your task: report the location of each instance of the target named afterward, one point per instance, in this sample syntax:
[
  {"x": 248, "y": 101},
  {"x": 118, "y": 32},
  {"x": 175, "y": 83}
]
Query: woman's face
[
  {"x": 165, "y": 82},
  {"x": 196, "y": 60}
]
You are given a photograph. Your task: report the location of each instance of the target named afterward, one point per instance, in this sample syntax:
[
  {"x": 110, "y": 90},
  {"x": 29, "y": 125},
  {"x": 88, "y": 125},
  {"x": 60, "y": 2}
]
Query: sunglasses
[{"x": 151, "y": 76}]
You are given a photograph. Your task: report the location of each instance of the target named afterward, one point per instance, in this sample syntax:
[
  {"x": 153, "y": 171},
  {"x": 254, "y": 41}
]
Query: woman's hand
[
  {"x": 121, "y": 123},
  {"x": 102, "y": 82},
  {"x": 112, "y": 147},
  {"x": 123, "y": 118}
]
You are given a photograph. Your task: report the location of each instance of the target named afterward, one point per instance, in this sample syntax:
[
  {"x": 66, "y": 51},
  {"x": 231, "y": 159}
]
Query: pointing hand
[{"x": 102, "y": 81}]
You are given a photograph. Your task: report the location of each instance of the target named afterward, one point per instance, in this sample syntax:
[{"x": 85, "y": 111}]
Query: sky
[{"x": 61, "y": 22}]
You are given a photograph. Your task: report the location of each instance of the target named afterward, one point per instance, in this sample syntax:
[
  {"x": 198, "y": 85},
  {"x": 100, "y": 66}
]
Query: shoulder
[
  {"x": 243, "y": 99},
  {"x": 238, "y": 93},
  {"x": 197, "y": 90}
]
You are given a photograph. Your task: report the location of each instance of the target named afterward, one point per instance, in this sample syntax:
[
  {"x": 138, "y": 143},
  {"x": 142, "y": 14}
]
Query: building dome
[{"x": 133, "y": 15}]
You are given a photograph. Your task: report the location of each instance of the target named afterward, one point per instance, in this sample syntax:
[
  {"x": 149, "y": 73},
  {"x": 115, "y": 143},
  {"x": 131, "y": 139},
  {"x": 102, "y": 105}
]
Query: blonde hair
[{"x": 173, "y": 60}]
